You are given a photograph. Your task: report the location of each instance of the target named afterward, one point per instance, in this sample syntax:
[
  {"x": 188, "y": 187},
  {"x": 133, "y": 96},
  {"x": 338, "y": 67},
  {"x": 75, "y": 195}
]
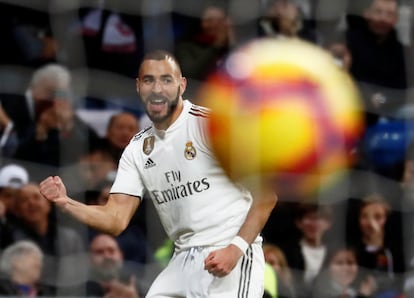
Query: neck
[
  {"x": 23, "y": 281},
  {"x": 375, "y": 240},
  {"x": 313, "y": 242}
]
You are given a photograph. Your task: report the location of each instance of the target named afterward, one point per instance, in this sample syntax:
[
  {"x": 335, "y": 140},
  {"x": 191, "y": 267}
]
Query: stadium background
[{"x": 106, "y": 84}]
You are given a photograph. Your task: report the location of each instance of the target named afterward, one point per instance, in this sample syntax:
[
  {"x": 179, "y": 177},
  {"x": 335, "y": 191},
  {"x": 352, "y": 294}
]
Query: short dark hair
[
  {"x": 159, "y": 55},
  {"x": 115, "y": 117},
  {"x": 304, "y": 209},
  {"x": 375, "y": 198}
]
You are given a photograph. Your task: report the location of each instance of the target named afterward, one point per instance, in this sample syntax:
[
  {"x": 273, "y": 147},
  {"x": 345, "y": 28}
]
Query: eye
[
  {"x": 148, "y": 80},
  {"x": 167, "y": 80}
]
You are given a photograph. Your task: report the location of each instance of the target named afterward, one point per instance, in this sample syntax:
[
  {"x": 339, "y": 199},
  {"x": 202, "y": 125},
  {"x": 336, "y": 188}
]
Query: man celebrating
[{"x": 215, "y": 224}]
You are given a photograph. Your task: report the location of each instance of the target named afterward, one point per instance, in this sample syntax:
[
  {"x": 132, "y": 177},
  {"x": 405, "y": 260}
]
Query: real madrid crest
[
  {"x": 148, "y": 145},
  {"x": 189, "y": 151}
]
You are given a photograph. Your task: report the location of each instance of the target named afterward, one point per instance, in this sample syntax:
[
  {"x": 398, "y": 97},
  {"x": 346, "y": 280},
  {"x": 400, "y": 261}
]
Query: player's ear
[
  {"x": 183, "y": 85},
  {"x": 137, "y": 84}
]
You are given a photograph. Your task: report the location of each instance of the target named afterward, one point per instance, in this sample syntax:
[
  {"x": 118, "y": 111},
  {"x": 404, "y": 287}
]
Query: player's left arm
[{"x": 222, "y": 261}]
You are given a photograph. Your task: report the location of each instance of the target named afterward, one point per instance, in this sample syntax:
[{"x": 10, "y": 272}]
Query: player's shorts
[{"x": 186, "y": 277}]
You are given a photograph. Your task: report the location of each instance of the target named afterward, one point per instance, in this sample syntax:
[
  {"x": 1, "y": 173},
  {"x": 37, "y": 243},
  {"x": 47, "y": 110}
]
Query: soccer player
[{"x": 214, "y": 223}]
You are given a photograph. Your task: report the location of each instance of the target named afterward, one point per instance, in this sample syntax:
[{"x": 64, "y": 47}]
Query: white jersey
[{"x": 196, "y": 202}]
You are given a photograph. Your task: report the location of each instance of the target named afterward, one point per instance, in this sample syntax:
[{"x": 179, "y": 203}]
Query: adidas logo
[{"x": 149, "y": 164}]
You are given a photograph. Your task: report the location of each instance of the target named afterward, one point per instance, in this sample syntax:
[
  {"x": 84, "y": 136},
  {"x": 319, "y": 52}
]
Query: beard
[
  {"x": 171, "y": 107},
  {"x": 107, "y": 271}
]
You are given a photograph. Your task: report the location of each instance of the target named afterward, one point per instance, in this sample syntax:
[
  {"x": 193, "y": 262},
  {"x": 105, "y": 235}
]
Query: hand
[
  {"x": 225, "y": 36},
  {"x": 65, "y": 115},
  {"x": 378, "y": 99},
  {"x": 53, "y": 189},
  {"x": 48, "y": 120},
  {"x": 222, "y": 261},
  {"x": 117, "y": 289},
  {"x": 368, "y": 286}
]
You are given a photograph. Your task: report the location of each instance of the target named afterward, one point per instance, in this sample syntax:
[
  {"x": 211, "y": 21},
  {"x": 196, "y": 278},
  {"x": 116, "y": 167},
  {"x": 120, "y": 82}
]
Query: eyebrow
[{"x": 165, "y": 76}]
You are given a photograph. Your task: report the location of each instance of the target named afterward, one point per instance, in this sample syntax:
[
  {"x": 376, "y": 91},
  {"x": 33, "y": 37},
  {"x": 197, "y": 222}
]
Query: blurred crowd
[{"x": 68, "y": 107}]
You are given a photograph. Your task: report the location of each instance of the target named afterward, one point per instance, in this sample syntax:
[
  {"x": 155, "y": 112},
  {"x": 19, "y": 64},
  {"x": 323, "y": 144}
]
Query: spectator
[
  {"x": 27, "y": 37},
  {"x": 46, "y": 83},
  {"x": 55, "y": 136},
  {"x": 378, "y": 58},
  {"x": 63, "y": 247},
  {"x": 284, "y": 19},
  {"x": 45, "y": 120},
  {"x": 21, "y": 267},
  {"x": 277, "y": 259},
  {"x": 307, "y": 253},
  {"x": 203, "y": 51},
  {"x": 98, "y": 165},
  {"x": 94, "y": 169},
  {"x": 384, "y": 259},
  {"x": 12, "y": 177},
  {"x": 109, "y": 275},
  {"x": 341, "y": 53},
  {"x": 120, "y": 130},
  {"x": 342, "y": 277}
]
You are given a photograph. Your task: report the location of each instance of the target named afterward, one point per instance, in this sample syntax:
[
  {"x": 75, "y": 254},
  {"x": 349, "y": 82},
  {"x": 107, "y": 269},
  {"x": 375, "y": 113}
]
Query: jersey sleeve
[
  {"x": 128, "y": 180},
  {"x": 203, "y": 131}
]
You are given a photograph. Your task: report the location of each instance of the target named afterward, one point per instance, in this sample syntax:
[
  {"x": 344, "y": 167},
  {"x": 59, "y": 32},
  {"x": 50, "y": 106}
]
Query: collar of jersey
[{"x": 177, "y": 123}]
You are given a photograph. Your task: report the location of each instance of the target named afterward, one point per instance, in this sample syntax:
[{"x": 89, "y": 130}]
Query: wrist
[
  {"x": 63, "y": 204},
  {"x": 240, "y": 243}
]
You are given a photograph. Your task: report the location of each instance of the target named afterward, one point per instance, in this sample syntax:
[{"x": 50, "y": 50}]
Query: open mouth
[
  {"x": 157, "y": 105},
  {"x": 156, "y": 101}
]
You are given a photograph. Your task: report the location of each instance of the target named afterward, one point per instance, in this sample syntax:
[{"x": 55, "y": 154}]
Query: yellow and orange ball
[{"x": 283, "y": 109}]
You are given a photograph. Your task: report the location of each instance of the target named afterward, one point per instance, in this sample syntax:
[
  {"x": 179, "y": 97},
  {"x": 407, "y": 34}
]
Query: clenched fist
[{"x": 53, "y": 189}]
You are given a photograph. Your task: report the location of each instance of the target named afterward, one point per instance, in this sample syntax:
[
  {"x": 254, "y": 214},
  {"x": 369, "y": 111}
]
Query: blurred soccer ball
[{"x": 283, "y": 109}]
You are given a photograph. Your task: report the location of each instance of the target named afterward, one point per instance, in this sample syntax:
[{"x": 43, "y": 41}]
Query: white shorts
[{"x": 186, "y": 277}]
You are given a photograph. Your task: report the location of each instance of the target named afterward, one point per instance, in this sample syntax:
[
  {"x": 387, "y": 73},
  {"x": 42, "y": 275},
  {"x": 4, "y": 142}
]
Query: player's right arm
[{"x": 112, "y": 218}]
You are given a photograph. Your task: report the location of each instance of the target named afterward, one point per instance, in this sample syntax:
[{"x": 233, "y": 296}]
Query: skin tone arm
[
  {"x": 222, "y": 261},
  {"x": 111, "y": 218},
  {"x": 114, "y": 216}
]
